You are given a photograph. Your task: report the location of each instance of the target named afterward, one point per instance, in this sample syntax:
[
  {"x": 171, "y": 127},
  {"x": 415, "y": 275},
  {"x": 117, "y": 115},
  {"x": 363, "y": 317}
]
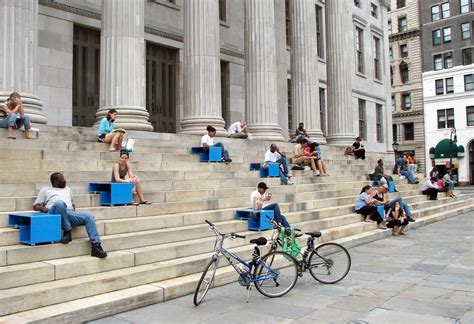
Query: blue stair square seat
[
  {"x": 213, "y": 154},
  {"x": 391, "y": 186},
  {"x": 255, "y": 166},
  {"x": 113, "y": 193},
  {"x": 257, "y": 219},
  {"x": 272, "y": 170},
  {"x": 36, "y": 228}
]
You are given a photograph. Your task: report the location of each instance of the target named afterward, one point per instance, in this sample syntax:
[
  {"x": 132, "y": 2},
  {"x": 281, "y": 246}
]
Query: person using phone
[{"x": 260, "y": 201}]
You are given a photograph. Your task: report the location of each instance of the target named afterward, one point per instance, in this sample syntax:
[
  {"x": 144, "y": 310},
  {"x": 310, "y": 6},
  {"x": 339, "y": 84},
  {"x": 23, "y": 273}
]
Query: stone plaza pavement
[{"x": 426, "y": 276}]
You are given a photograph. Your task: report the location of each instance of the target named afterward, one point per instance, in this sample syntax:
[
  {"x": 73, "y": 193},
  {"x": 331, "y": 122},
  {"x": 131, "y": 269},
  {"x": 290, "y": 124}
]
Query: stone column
[
  {"x": 18, "y": 54},
  {"x": 202, "y": 70},
  {"x": 339, "y": 72},
  {"x": 122, "y": 63},
  {"x": 304, "y": 68},
  {"x": 260, "y": 70}
]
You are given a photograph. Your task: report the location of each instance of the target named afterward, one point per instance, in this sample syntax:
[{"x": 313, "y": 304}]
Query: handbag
[{"x": 289, "y": 244}]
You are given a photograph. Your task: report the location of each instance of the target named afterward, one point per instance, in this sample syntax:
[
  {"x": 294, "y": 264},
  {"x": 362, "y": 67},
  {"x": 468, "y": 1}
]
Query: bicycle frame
[{"x": 234, "y": 260}]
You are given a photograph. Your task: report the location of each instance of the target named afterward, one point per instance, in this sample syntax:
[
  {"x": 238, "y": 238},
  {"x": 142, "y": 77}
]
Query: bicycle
[
  {"x": 327, "y": 263},
  {"x": 274, "y": 281}
]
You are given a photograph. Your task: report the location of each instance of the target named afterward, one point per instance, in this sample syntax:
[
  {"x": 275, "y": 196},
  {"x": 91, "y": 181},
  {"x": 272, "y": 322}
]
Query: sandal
[
  {"x": 134, "y": 203},
  {"x": 112, "y": 150},
  {"x": 11, "y": 137},
  {"x": 145, "y": 202}
]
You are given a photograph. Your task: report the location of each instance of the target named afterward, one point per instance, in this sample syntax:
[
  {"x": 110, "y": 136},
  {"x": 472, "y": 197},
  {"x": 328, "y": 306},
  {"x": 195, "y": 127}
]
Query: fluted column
[
  {"x": 202, "y": 70},
  {"x": 340, "y": 48},
  {"x": 260, "y": 70},
  {"x": 18, "y": 54},
  {"x": 304, "y": 68},
  {"x": 122, "y": 63}
]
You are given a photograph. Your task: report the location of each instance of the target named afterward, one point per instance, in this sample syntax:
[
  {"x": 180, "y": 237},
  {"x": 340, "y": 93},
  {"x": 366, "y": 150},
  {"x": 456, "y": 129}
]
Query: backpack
[{"x": 289, "y": 244}]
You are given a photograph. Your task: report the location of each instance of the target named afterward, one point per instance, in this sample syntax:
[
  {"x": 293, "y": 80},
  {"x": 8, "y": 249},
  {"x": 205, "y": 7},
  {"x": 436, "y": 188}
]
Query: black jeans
[
  {"x": 432, "y": 192},
  {"x": 372, "y": 212}
]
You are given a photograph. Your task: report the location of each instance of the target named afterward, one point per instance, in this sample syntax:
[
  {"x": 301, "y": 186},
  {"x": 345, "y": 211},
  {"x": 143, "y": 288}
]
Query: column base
[
  {"x": 197, "y": 126},
  {"x": 269, "y": 132},
  {"x": 32, "y": 105},
  {"x": 129, "y": 117},
  {"x": 341, "y": 139},
  {"x": 316, "y": 135}
]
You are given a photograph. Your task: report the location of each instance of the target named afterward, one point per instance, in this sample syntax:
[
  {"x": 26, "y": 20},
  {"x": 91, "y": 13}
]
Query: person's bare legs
[
  {"x": 323, "y": 165},
  {"x": 27, "y": 134},
  {"x": 400, "y": 231},
  {"x": 313, "y": 167},
  {"x": 114, "y": 141},
  {"x": 395, "y": 231},
  {"x": 120, "y": 140},
  {"x": 138, "y": 186},
  {"x": 10, "y": 133}
]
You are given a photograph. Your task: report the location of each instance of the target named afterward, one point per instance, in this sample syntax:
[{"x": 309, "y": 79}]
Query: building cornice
[
  {"x": 148, "y": 29},
  {"x": 412, "y": 33},
  {"x": 407, "y": 114}
]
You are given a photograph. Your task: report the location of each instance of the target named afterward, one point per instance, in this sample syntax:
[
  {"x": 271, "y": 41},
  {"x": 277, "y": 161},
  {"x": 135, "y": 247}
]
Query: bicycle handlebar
[
  {"x": 209, "y": 223},
  {"x": 237, "y": 235},
  {"x": 276, "y": 225}
]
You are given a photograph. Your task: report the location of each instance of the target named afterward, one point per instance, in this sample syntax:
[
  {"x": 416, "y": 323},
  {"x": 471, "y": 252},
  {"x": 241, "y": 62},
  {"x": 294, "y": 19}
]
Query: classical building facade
[
  {"x": 405, "y": 71},
  {"x": 448, "y": 85},
  {"x": 179, "y": 65}
]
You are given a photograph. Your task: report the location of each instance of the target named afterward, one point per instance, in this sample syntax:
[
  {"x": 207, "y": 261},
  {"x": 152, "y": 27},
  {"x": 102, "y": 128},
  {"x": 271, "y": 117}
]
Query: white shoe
[
  {"x": 402, "y": 177},
  {"x": 289, "y": 183},
  {"x": 306, "y": 168}
]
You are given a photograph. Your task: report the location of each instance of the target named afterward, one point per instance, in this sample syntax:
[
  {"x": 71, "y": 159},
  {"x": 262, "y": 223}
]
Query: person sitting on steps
[
  {"x": 300, "y": 133},
  {"x": 430, "y": 188},
  {"x": 273, "y": 155},
  {"x": 122, "y": 172},
  {"x": 402, "y": 171},
  {"x": 207, "y": 141},
  {"x": 108, "y": 133},
  {"x": 397, "y": 220},
  {"x": 449, "y": 183},
  {"x": 259, "y": 199},
  {"x": 358, "y": 149},
  {"x": 365, "y": 205},
  {"x": 58, "y": 200},
  {"x": 239, "y": 130},
  {"x": 379, "y": 172},
  {"x": 300, "y": 158},
  {"x": 312, "y": 150},
  {"x": 381, "y": 194},
  {"x": 15, "y": 116}
]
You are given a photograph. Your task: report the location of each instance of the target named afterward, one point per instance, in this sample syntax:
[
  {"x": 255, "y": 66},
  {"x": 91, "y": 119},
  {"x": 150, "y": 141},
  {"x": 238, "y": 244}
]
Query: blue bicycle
[{"x": 271, "y": 281}]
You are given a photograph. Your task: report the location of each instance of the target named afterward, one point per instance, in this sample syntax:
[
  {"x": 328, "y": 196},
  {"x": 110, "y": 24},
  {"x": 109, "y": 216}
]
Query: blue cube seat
[
  {"x": 36, "y": 227},
  {"x": 213, "y": 154},
  {"x": 257, "y": 219},
  {"x": 272, "y": 170},
  {"x": 113, "y": 193}
]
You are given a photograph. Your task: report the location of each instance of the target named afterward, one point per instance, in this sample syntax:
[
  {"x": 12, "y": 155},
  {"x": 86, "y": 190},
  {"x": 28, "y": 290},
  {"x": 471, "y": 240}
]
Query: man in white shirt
[
  {"x": 430, "y": 188},
  {"x": 274, "y": 155},
  {"x": 238, "y": 130},
  {"x": 208, "y": 140},
  {"x": 259, "y": 200},
  {"x": 58, "y": 200}
]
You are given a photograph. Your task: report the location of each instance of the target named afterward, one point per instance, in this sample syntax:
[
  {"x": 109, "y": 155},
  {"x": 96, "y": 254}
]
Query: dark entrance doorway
[
  {"x": 86, "y": 76},
  {"x": 471, "y": 162},
  {"x": 161, "y": 88}
]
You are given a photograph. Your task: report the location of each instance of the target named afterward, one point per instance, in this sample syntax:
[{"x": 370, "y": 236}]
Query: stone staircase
[{"x": 157, "y": 252}]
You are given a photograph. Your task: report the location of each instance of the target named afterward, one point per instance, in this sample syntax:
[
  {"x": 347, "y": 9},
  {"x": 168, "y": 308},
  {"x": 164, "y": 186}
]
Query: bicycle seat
[
  {"x": 314, "y": 234},
  {"x": 259, "y": 241}
]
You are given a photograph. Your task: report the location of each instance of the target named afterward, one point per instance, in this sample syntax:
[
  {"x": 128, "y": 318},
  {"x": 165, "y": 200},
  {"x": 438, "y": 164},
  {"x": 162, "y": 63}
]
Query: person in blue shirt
[
  {"x": 365, "y": 205},
  {"x": 108, "y": 133},
  {"x": 402, "y": 170}
]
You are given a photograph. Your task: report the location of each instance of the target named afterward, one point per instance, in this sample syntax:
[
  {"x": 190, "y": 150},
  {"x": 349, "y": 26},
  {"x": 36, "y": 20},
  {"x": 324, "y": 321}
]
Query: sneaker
[
  {"x": 228, "y": 160},
  {"x": 97, "y": 251},
  {"x": 411, "y": 220},
  {"x": 66, "y": 238},
  {"x": 402, "y": 177},
  {"x": 289, "y": 183}
]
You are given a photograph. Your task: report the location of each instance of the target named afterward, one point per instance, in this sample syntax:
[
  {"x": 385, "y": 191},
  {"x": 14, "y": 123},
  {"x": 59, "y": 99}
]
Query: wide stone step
[{"x": 170, "y": 288}]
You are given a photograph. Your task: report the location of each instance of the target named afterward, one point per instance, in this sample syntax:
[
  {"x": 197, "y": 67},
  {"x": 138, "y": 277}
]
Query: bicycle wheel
[
  {"x": 329, "y": 263},
  {"x": 280, "y": 278},
  {"x": 205, "y": 282}
]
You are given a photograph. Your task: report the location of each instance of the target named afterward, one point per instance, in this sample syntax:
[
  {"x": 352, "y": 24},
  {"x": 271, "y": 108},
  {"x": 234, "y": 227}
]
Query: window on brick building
[
  {"x": 404, "y": 50},
  {"x": 401, "y": 3},
  {"x": 379, "y": 122},
  {"x": 408, "y": 131},
  {"x": 447, "y": 35},
  {"x": 404, "y": 72},
  {"x": 469, "y": 82},
  {"x": 436, "y": 37},
  {"x": 437, "y": 62},
  {"x": 435, "y": 14},
  {"x": 466, "y": 30},
  {"x": 402, "y": 24},
  {"x": 448, "y": 60},
  {"x": 445, "y": 12},
  {"x": 470, "y": 115},
  {"x": 464, "y": 6},
  {"x": 467, "y": 56},
  {"x": 406, "y": 101}
]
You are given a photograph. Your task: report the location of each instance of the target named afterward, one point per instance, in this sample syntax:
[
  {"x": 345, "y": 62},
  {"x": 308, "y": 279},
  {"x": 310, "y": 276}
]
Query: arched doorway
[{"x": 471, "y": 162}]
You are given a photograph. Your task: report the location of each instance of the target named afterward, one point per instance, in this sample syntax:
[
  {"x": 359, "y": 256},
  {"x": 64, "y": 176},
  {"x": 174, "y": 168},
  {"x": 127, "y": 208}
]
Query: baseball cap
[{"x": 385, "y": 186}]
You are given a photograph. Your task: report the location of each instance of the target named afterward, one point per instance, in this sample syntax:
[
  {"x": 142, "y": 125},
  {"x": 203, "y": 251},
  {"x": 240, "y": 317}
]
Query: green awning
[{"x": 446, "y": 149}]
